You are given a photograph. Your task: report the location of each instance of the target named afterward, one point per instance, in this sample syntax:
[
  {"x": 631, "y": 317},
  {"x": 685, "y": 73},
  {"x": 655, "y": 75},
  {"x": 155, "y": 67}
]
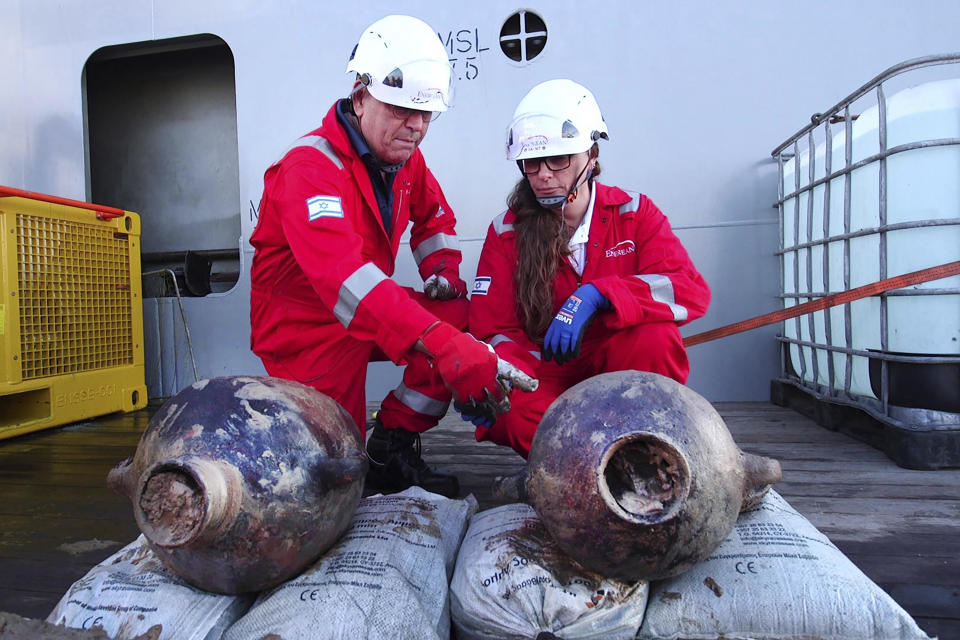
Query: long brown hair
[{"x": 542, "y": 241}]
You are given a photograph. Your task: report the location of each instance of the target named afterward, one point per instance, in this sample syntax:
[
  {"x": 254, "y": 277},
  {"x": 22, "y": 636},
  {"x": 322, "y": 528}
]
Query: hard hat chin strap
[
  {"x": 552, "y": 202},
  {"x": 558, "y": 202},
  {"x": 390, "y": 168}
]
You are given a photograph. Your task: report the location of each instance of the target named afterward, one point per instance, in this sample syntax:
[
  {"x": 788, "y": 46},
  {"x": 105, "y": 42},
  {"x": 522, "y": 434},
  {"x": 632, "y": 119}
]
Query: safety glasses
[
  {"x": 404, "y": 113},
  {"x": 530, "y": 166}
]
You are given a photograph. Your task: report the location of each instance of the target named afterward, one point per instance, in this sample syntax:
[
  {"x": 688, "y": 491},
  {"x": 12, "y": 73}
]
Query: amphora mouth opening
[
  {"x": 171, "y": 506},
  {"x": 643, "y": 478},
  {"x": 186, "y": 499}
]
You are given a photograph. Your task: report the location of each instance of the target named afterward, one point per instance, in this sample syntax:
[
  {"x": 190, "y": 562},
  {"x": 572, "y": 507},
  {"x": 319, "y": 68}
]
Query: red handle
[{"x": 103, "y": 212}]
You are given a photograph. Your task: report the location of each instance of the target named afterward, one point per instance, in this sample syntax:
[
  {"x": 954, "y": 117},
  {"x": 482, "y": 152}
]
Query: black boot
[{"x": 395, "y": 463}]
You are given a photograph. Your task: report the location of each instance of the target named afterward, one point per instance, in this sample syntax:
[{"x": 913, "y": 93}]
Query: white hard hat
[
  {"x": 556, "y": 117},
  {"x": 401, "y": 61}
]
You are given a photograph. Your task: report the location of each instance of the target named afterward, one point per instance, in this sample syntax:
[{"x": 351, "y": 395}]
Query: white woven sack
[
  {"x": 131, "y": 592},
  {"x": 775, "y": 577},
  {"x": 387, "y": 578},
  {"x": 513, "y": 582}
]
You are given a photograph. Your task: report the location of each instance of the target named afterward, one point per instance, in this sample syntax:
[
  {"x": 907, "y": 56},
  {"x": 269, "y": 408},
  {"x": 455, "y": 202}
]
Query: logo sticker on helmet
[
  {"x": 426, "y": 95},
  {"x": 534, "y": 143},
  {"x": 324, "y": 207}
]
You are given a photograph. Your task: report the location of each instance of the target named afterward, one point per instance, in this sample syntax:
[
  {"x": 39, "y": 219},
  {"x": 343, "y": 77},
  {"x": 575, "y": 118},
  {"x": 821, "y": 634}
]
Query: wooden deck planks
[{"x": 899, "y": 526}]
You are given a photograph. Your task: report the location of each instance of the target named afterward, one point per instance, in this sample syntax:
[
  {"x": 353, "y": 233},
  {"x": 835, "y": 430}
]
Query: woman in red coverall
[{"x": 576, "y": 278}]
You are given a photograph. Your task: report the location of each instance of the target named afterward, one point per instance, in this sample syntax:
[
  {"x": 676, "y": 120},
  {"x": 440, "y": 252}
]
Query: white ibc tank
[{"x": 922, "y": 184}]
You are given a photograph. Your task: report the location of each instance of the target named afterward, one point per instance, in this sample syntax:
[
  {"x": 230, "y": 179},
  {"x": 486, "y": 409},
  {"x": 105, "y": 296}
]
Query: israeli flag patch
[
  {"x": 324, "y": 207},
  {"x": 481, "y": 284}
]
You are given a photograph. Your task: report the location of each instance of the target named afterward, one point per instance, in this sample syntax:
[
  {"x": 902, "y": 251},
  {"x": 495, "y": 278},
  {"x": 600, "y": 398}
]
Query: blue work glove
[
  {"x": 481, "y": 414},
  {"x": 565, "y": 333}
]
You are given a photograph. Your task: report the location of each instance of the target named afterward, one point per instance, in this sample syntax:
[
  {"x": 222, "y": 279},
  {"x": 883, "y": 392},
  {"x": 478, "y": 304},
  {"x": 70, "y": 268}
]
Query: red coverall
[
  {"x": 635, "y": 260},
  {"x": 322, "y": 303}
]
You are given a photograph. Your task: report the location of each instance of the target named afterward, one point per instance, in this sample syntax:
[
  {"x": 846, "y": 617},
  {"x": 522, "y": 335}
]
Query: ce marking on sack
[
  {"x": 744, "y": 568},
  {"x": 92, "y": 621}
]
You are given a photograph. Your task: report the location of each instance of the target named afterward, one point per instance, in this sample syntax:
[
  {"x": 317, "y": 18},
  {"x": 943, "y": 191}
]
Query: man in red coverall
[
  {"x": 332, "y": 214},
  {"x": 576, "y": 278}
]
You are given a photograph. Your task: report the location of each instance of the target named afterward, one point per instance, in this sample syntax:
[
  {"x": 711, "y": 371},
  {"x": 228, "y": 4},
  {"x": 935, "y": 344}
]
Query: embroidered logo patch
[
  {"x": 481, "y": 284},
  {"x": 621, "y": 249},
  {"x": 323, "y": 207}
]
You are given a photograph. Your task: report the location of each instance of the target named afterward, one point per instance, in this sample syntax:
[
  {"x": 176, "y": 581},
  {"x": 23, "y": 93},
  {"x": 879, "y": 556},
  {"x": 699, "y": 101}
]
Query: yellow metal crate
[{"x": 71, "y": 314}]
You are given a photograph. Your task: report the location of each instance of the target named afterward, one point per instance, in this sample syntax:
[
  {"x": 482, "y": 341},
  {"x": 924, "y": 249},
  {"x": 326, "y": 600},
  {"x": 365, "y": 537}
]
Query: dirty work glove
[
  {"x": 565, "y": 333},
  {"x": 438, "y": 287},
  {"x": 467, "y": 366},
  {"x": 481, "y": 414}
]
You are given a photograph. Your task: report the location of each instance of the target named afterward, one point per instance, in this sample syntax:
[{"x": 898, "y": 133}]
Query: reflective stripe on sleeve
[
  {"x": 354, "y": 289},
  {"x": 500, "y": 226},
  {"x": 319, "y": 143},
  {"x": 633, "y": 205},
  {"x": 435, "y": 243},
  {"x": 420, "y": 403},
  {"x": 661, "y": 290},
  {"x": 500, "y": 338}
]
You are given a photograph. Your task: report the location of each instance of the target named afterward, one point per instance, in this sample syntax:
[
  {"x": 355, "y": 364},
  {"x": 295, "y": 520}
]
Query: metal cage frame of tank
[{"x": 838, "y": 391}]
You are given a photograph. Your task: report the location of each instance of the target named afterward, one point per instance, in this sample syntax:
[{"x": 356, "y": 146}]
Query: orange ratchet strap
[{"x": 897, "y": 282}]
